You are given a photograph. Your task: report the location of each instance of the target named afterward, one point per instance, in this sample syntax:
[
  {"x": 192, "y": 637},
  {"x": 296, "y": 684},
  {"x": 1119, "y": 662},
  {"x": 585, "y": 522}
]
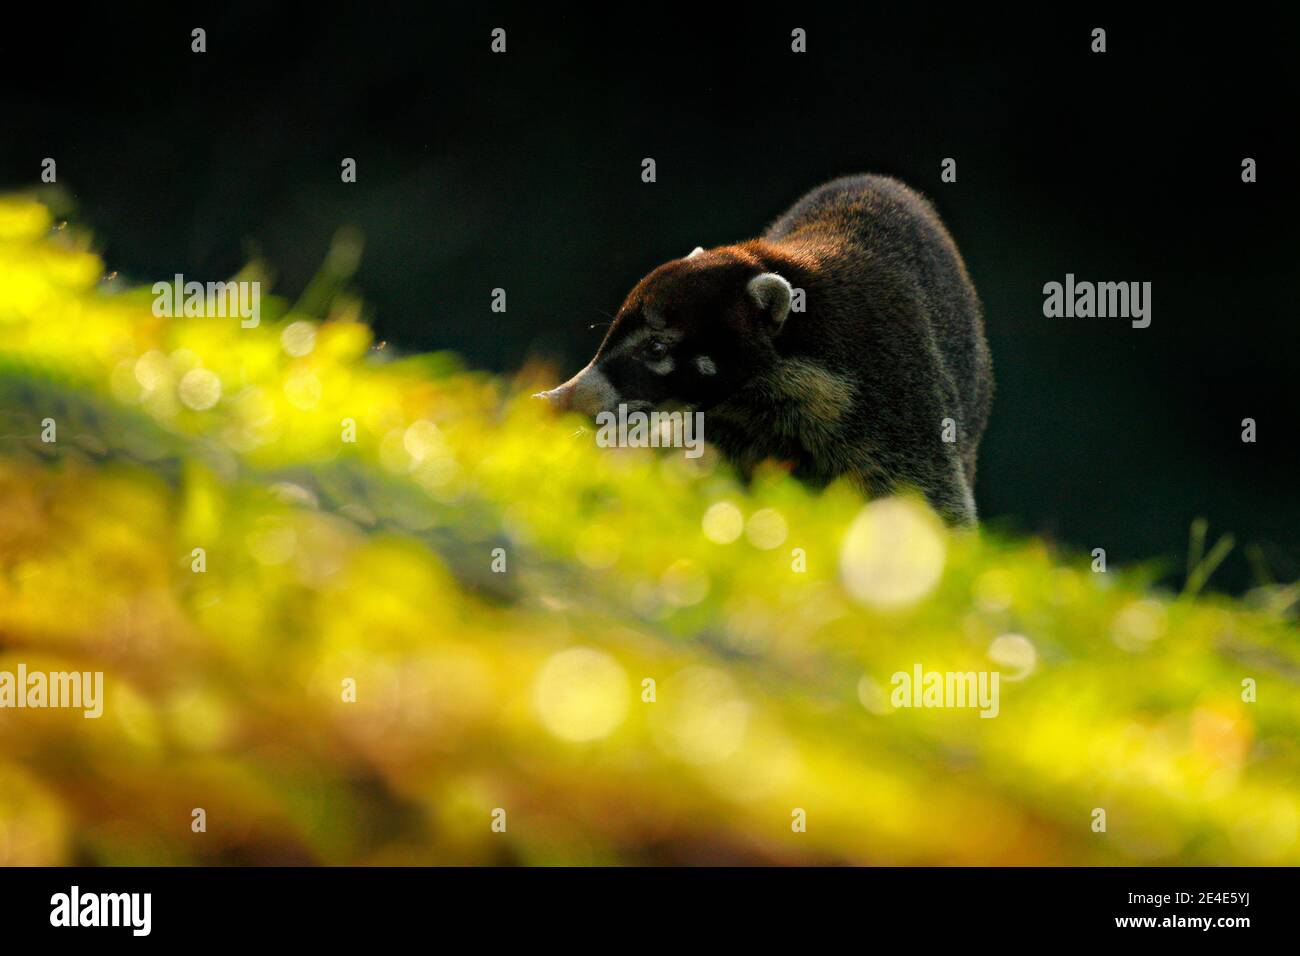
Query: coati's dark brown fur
[{"x": 887, "y": 359}]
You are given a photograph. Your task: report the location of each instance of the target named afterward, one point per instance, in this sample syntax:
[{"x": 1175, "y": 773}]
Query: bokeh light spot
[
  {"x": 893, "y": 553},
  {"x": 298, "y": 338},
  {"x": 1015, "y": 652},
  {"x": 723, "y": 523},
  {"x": 581, "y": 694},
  {"x": 701, "y": 716},
  {"x": 766, "y": 529},
  {"x": 684, "y": 583},
  {"x": 200, "y": 389}
]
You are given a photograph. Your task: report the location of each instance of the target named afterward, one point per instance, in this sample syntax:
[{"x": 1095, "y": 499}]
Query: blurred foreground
[{"x": 358, "y": 610}]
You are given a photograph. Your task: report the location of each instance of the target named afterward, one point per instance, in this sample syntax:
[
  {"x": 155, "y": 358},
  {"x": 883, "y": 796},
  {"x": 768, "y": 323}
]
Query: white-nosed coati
[{"x": 884, "y": 377}]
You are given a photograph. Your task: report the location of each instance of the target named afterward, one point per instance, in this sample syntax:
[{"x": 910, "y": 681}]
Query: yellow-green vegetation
[{"x": 363, "y": 651}]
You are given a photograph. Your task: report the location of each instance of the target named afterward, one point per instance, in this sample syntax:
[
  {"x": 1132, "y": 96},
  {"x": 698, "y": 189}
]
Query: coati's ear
[
  {"x": 694, "y": 252},
  {"x": 772, "y": 294}
]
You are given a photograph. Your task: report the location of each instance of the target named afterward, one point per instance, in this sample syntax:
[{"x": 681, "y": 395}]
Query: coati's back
[{"x": 892, "y": 295}]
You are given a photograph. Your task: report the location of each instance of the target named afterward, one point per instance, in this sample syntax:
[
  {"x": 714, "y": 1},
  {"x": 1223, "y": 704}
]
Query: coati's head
[{"x": 690, "y": 334}]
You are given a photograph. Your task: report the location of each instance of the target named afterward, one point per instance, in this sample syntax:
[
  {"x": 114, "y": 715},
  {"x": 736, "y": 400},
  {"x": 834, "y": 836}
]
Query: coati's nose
[
  {"x": 561, "y": 396},
  {"x": 588, "y": 392}
]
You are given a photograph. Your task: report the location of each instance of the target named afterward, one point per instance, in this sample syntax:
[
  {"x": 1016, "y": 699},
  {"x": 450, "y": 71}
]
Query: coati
[{"x": 884, "y": 377}]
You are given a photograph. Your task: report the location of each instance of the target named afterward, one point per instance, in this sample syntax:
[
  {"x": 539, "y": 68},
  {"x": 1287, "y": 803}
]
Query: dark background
[{"x": 523, "y": 171}]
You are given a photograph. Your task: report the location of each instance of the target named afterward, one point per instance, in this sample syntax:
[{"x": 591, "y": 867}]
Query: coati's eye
[{"x": 654, "y": 350}]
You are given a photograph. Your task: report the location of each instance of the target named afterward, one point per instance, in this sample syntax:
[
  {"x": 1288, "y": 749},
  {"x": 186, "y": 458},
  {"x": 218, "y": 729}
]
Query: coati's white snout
[
  {"x": 558, "y": 396},
  {"x": 773, "y": 294},
  {"x": 588, "y": 392}
]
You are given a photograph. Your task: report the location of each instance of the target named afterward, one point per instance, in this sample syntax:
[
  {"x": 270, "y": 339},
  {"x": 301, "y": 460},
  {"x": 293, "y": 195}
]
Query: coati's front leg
[
  {"x": 945, "y": 487},
  {"x": 936, "y": 474},
  {"x": 953, "y": 499}
]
